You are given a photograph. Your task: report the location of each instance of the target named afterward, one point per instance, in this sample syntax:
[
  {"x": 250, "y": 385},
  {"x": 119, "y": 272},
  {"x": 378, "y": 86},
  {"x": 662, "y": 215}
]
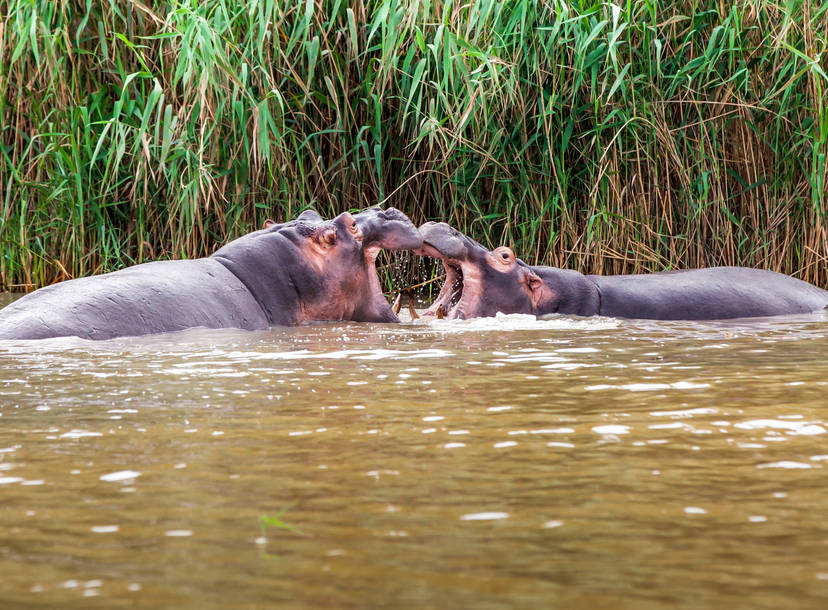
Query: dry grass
[{"x": 588, "y": 135}]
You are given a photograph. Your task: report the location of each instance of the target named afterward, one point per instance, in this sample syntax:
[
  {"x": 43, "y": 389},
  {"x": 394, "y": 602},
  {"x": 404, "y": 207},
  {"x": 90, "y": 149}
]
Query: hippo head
[
  {"x": 479, "y": 282},
  {"x": 351, "y": 262},
  {"x": 315, "y": 269}
]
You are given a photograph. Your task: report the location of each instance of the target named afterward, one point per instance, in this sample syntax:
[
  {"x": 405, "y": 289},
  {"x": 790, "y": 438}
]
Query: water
[{"x": 499, "y": 463}]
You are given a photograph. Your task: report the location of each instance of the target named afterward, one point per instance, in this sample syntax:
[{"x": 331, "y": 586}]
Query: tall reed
[{"x": 598, "y": 136}]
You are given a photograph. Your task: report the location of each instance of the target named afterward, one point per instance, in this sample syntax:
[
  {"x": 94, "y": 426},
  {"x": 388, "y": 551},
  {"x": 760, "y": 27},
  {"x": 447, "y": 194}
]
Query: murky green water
[{"x": 502, "y": 463}]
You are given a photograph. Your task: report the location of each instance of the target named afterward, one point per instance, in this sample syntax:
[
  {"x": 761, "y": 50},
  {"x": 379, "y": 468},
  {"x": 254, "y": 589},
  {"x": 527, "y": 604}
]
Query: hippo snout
[
  {"x": 443, "y": 239},
  {"x": 389, "y": 229}
]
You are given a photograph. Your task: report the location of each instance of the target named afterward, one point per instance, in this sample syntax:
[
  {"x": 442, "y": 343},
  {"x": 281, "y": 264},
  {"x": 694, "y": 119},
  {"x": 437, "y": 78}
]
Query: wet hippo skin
[
  {"x": 713, "y": 293},
  {"x": 285, "y": 274},
  {"x": 481, "y": 282}
]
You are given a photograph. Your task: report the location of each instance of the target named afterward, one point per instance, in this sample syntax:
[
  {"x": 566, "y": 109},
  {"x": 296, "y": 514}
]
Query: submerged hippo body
[
  {"x": 480, "y": 282},
  {"x": 715, "y": 293},
  {"x": 145, "y": 299},
  {"x": 285, "y": 274}
]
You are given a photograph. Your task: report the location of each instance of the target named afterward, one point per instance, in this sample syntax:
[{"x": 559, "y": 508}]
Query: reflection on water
[{"x": 498, "y": 463}]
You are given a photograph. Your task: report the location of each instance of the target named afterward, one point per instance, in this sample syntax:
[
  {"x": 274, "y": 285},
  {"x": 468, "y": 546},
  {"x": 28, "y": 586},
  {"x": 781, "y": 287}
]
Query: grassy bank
[{"x": 607, "y": 138}]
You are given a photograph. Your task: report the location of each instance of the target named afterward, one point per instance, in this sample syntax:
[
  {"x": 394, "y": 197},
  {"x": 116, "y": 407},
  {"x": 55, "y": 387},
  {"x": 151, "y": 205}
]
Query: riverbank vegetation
[{"x": 602, "y": 137}]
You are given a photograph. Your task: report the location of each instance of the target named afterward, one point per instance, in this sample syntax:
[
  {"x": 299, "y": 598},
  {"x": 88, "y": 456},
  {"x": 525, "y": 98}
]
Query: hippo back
[
  {"x": 707, "y": 294},
  {"x": 155, "y": 297}
]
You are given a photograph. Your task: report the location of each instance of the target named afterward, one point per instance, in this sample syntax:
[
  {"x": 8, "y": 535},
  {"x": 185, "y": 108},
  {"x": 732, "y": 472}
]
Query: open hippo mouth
[
  {"x": 453, "y": 287},
  {"x": 451, "y": 293},
  {"x": 479, "y": 282},
  {"x": 461, "y": 291},
  {"x": 380, "y": 229}
]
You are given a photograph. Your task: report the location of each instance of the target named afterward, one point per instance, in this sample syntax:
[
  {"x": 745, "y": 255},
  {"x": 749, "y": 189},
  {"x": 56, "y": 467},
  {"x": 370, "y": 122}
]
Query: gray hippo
[
  {"x": 285, "y": 274},
  {"x": 480, "y": 283}
]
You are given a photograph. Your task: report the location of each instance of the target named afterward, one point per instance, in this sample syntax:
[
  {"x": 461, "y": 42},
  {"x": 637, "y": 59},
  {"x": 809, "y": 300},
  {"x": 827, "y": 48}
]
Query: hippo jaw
[
  {"x": 461, "y": 290},
  {"x": 461, "y": 293},
  {"x": 380, "y": 229},
  {"x": 479, "y": 282}
]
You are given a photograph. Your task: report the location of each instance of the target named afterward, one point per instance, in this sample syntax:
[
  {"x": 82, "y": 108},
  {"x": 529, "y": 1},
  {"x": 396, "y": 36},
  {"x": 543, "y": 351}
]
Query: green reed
[{"x": 604, "y": 137}]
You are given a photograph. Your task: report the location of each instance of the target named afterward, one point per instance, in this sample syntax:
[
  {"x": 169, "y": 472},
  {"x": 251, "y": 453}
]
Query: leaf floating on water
[{"x": 276, "y": 521}]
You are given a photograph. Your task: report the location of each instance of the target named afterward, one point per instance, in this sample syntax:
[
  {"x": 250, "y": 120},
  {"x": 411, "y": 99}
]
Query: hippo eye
[
  {"x": 353, "y": 227},
  {"x": 504, "y": 255}
]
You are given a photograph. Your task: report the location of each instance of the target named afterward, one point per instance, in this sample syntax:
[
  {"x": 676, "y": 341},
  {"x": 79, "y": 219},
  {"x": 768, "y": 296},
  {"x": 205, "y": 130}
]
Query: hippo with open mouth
[
  {"x": 283, "y": 275},
  {"x": 481, "y": 283}
]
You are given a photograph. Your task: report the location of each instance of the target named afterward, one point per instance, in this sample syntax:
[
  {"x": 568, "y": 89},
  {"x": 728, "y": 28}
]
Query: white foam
[
  {"x": 484, "y": 516},
  {"x": 121, "y": 475},
  {"x": 685, "y": 412},
  {"x": 794, "y": 427},
  {"x": 611, "y": 429},
  {"x": 786, "y": 464},
  {"x": 519, "y": 321},
  {"x": 79, "y": 434},
  {"x": 178, "y": 533},
  {"x": 648, "y": 387}
]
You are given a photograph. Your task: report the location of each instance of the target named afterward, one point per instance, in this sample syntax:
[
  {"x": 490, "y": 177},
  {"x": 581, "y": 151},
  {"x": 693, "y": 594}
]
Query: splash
[{"x": 519, "y": 321}]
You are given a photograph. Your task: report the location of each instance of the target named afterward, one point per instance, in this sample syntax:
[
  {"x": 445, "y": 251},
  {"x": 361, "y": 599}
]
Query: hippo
[
  {"x": 482, "y": 282},
  {"x": 282, "y": 275}
]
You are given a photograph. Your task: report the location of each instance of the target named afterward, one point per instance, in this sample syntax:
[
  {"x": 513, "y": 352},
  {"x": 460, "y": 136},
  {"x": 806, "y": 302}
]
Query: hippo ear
[
  {"x": 326, "y": 238},
  {"x": 269, "y": 223},
  {"x": 309, "y": 215},
  {"x": 535, "y": 285}
]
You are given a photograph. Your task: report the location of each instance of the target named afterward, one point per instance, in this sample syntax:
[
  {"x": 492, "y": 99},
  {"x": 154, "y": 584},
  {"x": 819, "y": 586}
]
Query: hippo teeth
[
  {"x": 456, "y": 291},
  {"x": 451, "y": 292}
]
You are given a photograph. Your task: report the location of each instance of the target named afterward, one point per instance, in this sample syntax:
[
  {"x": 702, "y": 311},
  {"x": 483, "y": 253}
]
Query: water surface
[{"x": 497, "y": 463}]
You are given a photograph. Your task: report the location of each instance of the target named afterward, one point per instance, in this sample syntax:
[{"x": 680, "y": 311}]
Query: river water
[{"x": 496, "y": 463}]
